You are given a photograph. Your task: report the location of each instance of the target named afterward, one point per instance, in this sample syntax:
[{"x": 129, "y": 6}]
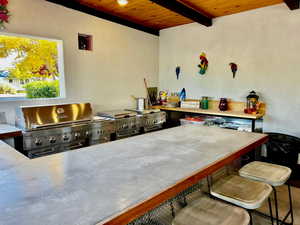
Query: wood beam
[
  {"x": 293, "y": 4},
  {"x": 94, "y": 12},
  {"x": 185, "y": 11}
]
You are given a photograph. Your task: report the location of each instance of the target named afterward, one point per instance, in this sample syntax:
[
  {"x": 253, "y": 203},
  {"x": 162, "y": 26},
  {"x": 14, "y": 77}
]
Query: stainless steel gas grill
[
  {"x": 54, "y": 128},
  {"x": 102, "y": 130},
  {"x": 51, "y": 129},
  {"x": 153, "y": 121},
  {"x": 127, "y": 123},
  {"x": 127, "y": 127}
]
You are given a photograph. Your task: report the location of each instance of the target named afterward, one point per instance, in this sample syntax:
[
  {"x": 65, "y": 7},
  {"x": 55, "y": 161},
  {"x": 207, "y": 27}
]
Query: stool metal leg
[
  {"x": 209, "y": 183},
  {"x": 172, "y": 209},
  {"x": 271, "y": 210},
  {"x": 276, "y": 206},
  {"x": 289, "y": 213},
  {"x": 291, "y": 204},
  {"x": 251, "y": 219}
]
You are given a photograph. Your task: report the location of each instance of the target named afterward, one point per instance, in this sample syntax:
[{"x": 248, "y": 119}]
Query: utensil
[
  {"x": 148, "y": 95},
  {"x": 140, "y": 104}
]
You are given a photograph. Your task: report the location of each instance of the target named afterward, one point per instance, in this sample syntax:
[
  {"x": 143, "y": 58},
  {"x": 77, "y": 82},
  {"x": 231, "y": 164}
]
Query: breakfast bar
[{"x": 115, "y": 182}]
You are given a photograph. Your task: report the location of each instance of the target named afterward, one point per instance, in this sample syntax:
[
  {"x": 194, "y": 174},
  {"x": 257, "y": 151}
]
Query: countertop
[
  {"x": 91, "y": 185},
  {"x": 9, "y": 131}
]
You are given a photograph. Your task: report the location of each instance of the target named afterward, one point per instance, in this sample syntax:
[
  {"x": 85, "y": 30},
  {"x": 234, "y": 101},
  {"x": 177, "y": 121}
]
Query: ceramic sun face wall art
[{"x": 203, "y": 64}]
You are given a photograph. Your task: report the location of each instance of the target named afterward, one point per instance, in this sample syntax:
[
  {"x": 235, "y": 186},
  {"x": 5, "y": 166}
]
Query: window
[{"x": 30, "y": 67}]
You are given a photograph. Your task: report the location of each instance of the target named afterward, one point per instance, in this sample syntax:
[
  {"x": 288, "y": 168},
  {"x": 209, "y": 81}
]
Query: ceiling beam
[
  {"x": 94, "y": 12},
  {"x": 185, "y": 11},
  {"x": 293, "y": 4}
]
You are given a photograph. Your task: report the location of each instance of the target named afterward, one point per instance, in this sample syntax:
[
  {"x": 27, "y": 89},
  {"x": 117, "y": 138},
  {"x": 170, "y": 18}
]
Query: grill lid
[
  {"x": 116, "y": 114},
  {"x": 33, "y": 117}
]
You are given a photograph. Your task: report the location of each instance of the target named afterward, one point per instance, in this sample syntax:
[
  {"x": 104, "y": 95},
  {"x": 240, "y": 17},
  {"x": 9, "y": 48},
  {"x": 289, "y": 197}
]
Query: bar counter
[{"x": 113, "y": 183}]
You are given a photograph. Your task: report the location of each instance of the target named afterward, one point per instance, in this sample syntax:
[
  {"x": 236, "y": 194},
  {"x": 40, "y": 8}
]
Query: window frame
[{"x": 61, "y": 69}]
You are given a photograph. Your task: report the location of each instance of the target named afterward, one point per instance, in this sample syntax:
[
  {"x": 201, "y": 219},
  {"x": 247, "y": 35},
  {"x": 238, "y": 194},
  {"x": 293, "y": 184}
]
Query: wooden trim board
[{"x": 143, "y": 207}]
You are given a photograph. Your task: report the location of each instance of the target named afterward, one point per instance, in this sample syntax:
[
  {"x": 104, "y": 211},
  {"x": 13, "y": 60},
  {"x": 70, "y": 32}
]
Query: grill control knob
[
  {"x": 52, "y": 140},
  {"x": 87, "y": 133},
  {"x": 77, "y": 135},
  {"x": 38, "y": 142},
  {"x": 65, "y": 138},
  {"x": 100, "y": 132}
]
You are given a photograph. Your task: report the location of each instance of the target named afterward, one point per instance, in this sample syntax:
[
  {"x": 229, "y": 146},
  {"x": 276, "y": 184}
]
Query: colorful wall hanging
[
  {"x": 182, "y": 95},
  {"x": 234, "y": 68},
  {"x": 203, "y": 63},
  {"x": 177, "y": 70},
  {"x": 4, "y": 13}
]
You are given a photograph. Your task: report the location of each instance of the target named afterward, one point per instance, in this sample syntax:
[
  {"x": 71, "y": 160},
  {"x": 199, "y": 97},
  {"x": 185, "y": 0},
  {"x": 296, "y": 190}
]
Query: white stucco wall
[
  {"x": 265, "y": 43},
  {"x": 108, "y": 75}
]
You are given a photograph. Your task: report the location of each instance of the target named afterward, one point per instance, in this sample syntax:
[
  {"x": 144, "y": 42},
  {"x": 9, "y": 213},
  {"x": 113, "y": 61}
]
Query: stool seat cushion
[
  {"x": 242, "y": 192},
  {"x": 206, "y": 211},
  {"x": 272, "y": 174}
]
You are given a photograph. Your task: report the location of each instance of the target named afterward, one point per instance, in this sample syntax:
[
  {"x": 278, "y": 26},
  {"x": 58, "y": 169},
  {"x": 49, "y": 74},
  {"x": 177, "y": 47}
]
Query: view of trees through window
[{"x": 29, "y": 67}]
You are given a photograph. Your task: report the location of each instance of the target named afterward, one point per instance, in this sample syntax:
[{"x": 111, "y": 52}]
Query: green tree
[{"x": 34, "y": 58}]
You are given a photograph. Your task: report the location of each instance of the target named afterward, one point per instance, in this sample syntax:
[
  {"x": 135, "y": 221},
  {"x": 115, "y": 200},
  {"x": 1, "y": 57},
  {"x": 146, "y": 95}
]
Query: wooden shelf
[{"x": 214, "y": 112}]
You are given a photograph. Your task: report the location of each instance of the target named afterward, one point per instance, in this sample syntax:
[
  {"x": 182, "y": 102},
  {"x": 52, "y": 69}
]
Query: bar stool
[
  {"x": 243, "y": 192},
  {"x": 206, "y": 211},
  {"x": 274, "y": 175}
]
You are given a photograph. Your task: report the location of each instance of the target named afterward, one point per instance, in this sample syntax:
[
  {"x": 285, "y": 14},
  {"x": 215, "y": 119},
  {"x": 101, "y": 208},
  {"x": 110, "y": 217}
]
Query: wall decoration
[
  {"x": 4, "y": 13},
  {"x": 234, "y": 68},
  {"x": 177, "y": 70},
  {"x": 182, "y": 95},
  {"x": 203, "y": 64}
]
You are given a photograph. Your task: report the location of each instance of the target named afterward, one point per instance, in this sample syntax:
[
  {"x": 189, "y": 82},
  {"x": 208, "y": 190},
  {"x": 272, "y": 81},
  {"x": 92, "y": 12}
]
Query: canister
[{"x": 140, "y": 104}]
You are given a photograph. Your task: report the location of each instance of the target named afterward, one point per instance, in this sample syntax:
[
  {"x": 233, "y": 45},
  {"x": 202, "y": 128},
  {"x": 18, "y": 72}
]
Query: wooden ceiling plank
[
  {"x": 185, "y": 11},
  {"x": 142, "y": 12},
  {"x": 217, "y": 8},
  {"x": 293, "y": 4},
  {"x": 91, "y": 11}
]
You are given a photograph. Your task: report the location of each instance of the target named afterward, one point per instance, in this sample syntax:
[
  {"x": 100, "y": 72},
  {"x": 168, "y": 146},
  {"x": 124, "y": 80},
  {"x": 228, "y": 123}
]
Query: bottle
[{"x": 204, "y": 103}]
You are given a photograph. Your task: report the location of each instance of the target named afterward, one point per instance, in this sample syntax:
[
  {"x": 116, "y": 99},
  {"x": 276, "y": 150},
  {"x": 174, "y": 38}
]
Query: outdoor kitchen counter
[
  {"x": 9, "y": 131},
  {"x": 114, "y": 182}
]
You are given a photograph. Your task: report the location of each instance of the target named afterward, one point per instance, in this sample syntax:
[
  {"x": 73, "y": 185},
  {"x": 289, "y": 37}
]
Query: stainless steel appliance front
[{"x": 34, "y": 117}]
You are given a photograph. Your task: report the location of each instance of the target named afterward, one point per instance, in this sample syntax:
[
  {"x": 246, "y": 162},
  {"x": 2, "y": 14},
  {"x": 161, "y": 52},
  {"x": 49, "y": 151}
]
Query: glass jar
[
  {"x": 204, "y": 103},
  {"x": 223, "y": 106},
  {"x": 252, "y": 102}
]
